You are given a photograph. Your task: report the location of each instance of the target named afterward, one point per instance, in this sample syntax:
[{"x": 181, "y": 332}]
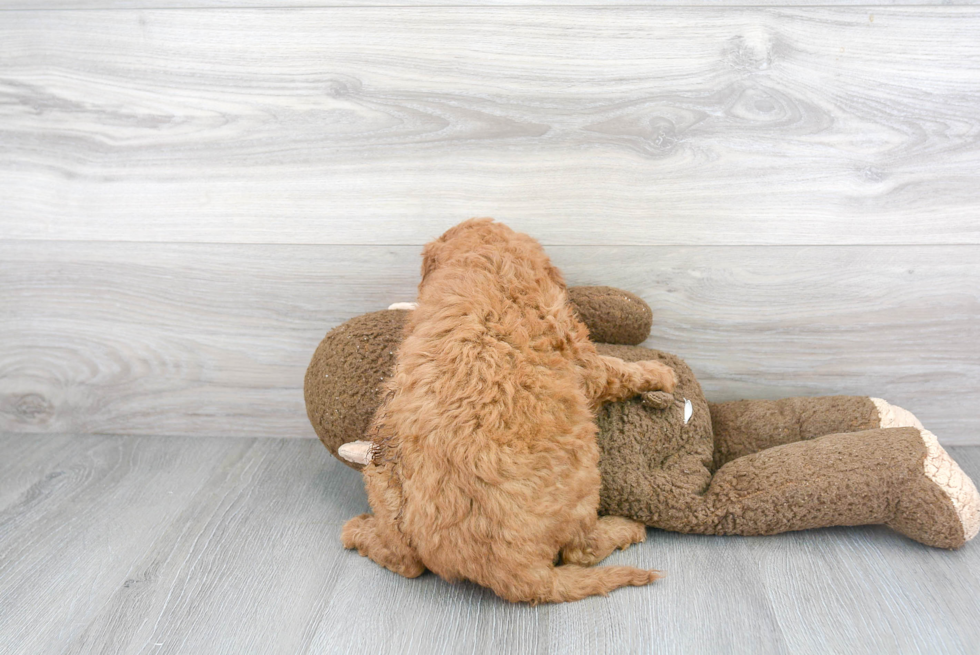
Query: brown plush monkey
[{"x": 677, "y": 462}]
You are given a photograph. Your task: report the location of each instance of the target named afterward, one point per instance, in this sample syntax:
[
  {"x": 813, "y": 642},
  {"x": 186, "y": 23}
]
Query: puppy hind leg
[
  {"x": 385, "y": 546},
  {"x": 560, "y": 584},
  {"x": 610, "y": 533}
]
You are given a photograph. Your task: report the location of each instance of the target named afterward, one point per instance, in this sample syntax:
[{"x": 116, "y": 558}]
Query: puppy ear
[
  {"x": 555, "y": 275},
  {"x": 430, "y": 259}
]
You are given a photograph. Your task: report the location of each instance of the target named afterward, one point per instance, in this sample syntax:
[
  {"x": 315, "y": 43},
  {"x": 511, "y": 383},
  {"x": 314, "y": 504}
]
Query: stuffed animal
[{"x": 680, "y": 463}]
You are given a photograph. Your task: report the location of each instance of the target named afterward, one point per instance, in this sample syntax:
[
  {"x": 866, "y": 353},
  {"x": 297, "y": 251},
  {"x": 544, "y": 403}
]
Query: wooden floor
[{"x": 112, "y": 544}]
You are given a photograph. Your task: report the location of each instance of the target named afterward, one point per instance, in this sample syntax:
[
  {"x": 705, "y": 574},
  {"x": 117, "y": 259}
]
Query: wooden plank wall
[{"x": 193, "y": 193}]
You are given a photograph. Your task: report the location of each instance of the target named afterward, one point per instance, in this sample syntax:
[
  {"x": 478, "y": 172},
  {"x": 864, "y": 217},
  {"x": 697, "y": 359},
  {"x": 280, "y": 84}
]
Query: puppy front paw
[{"x": 659, "y": 376}]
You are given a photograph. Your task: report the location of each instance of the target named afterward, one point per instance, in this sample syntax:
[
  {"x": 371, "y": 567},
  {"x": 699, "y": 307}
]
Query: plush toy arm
[{"x": 612, "y": 315}]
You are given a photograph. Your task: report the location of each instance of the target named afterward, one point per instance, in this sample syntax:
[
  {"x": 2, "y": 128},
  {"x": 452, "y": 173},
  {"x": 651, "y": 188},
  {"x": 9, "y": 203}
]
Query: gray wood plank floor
[{"x": 176, "y": 545}]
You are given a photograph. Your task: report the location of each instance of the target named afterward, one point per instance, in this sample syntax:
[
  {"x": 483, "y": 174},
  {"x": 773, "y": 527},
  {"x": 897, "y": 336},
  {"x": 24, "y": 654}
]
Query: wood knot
[
  {"x": 32, "y": 407},
  {"x": 751, "y": 51}
]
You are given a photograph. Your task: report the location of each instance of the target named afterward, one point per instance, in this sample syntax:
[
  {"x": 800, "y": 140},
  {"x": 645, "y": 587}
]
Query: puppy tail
[{"x": 560, "y": 584}]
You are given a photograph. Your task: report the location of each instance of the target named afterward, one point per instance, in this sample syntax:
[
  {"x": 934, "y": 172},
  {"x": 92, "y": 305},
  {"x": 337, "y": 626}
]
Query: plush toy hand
[
  {"x": 662, "y": 400},
  {"x": 657, "y": 399},
  {"x": 356, "y": 452}
]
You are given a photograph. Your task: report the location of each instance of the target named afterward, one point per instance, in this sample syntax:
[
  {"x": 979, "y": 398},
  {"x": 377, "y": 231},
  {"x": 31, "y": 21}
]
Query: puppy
[{"x": 484, "y": 458}]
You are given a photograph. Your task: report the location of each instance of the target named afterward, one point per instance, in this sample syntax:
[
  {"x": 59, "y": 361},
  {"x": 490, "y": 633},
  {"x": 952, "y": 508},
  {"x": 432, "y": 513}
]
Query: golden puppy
[{"x": 485, "y": 463}]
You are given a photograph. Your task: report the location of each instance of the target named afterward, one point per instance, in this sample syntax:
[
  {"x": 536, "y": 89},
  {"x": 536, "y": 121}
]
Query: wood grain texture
[
  {"x": 244, "y": 556},
  {"x": 212, "y": 340},
  {"x": 48, "y": 5},
  {"x": 97, "y": 509},
  {"x": 383, "y": 125},
  {"x": 27, "y": 460}
]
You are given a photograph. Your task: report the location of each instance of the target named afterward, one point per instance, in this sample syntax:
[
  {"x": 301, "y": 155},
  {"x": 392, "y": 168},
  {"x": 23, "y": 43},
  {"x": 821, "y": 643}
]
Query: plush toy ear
[{"x": 612, "y": 315}]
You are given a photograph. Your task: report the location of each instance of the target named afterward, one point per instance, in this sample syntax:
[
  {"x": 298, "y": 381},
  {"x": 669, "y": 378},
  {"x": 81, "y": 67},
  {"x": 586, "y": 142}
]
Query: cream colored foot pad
[{"x": 939, "y": 467}]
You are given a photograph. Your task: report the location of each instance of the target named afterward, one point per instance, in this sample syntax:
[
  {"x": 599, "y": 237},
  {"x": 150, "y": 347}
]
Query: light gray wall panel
[
  {"x": 264, "y": 4},
  {"x": 214, "y": 339},
  {"x": 681, "y": 125}
]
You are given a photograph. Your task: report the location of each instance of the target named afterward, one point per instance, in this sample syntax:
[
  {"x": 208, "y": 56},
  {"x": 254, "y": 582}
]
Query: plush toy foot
[{"x": 923, "y": 508}]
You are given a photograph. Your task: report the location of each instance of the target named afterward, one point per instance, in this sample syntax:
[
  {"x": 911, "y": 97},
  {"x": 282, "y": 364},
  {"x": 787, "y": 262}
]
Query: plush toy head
[{"x": 345, "y": 377}]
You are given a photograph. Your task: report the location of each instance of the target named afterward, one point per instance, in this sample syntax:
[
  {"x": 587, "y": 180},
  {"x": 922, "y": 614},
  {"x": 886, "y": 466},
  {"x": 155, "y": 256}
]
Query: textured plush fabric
[
  {"x": 647, "y": 455},
  {"x": 781, "y": 469},
  {"x": 939, "y": 467},
  {"x": 857, "y": 478},
  {"x": 344, "y": 380},
  {"x": 612, "y": 315},
  {"x": 748, "y": 426}
]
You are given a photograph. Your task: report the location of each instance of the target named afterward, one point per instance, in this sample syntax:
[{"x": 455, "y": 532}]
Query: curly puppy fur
[{"x": 485, "y": 460}]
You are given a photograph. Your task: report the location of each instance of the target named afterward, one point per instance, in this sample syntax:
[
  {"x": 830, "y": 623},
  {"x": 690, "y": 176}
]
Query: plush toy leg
[
  {"x": 748, "y": 426},
  {"x": 861, "y": 478},
  {"x": 940, "y": 468}
]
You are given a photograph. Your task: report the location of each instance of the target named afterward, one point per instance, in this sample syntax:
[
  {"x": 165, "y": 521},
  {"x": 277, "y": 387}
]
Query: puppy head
[
  {"x": 461, "y": 239},
  {"x": 480, "y": 235}
]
